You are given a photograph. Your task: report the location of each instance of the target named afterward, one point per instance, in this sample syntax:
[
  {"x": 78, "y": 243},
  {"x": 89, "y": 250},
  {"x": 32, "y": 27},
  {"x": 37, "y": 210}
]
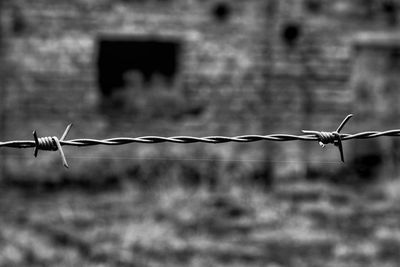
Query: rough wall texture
[{"x": 242, "y": 67}]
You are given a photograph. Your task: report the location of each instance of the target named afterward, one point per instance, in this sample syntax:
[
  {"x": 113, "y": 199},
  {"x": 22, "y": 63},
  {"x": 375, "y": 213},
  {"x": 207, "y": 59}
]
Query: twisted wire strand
[
  {"x": 335, "y": 137},
  {"x": 207, "y": 139}
]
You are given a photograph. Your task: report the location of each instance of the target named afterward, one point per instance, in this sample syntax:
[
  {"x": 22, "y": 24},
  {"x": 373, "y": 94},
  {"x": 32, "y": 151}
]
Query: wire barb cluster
[
  {"x": 331, "y": 137},
  {"x": 336, "y": 138},
  {"x": 51, "y": 144}
]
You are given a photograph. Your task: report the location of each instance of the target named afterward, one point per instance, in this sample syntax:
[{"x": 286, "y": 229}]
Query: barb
[
  {"x": 51, "y": 144},
  {"x": 332, "y": 137},
  {"x": 336, "y": 138}
]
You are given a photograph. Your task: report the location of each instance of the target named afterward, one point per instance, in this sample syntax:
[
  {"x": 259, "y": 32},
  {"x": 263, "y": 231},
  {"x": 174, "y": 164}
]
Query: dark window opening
[
  {"x": 150, "y": 59},
  {"x": 221, "y": 12},
  {"x": 291, "y": 33}
]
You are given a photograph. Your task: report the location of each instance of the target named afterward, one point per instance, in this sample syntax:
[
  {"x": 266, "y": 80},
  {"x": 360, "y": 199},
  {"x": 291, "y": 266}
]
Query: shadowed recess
[{"x": 148, "y": 57}]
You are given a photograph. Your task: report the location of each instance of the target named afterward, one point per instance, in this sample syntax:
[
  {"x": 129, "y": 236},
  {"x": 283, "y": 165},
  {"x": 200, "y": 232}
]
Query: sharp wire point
[
  {"x": 340, "y": 146},
  {"x": 66, "y": 132},
  {"x": 339, "y": 137},
  {"x": 64, "y": 160},
  {"x": 35, "y": 152},
  {"x": 348, "y": 117}
]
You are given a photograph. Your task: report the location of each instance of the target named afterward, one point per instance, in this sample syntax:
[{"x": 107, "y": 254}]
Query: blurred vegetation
[
  {"x": 156, "y": 167},
  {"x": 294, "y": 224}
]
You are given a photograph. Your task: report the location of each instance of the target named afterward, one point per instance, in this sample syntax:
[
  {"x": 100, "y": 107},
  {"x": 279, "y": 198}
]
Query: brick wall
[{"x": 244, "y": 67}]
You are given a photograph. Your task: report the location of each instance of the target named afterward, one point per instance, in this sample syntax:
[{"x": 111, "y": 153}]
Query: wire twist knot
[
  {"x": 51, "y": 144},
  {"x": 47, "y": 143},
  {"x": 325, "y": 138},
  {"x": 335, "y": 138}
]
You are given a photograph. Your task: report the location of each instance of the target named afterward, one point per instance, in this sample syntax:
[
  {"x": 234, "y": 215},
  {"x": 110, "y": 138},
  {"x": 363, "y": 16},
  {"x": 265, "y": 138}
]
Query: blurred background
[{"x": 191, "y": 67}]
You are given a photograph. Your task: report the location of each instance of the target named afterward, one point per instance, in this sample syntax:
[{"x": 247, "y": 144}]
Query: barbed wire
[{"x": 335, "y": 137}]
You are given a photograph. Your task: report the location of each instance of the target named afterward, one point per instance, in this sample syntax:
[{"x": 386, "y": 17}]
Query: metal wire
[{"x": 335, "y": 137}]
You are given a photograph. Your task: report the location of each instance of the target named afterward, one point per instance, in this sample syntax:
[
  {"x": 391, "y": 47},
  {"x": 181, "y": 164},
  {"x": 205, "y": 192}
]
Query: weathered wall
[
  {"x": 312, "y": 53},
  {"x": 53, "y": 49},
  {"x": 375, "y": 82},
  {"x": 244, "y": 67}
]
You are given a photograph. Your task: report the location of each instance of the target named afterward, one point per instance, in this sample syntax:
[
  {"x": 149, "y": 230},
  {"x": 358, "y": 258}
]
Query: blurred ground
[{"x": 295, "y": 223}]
